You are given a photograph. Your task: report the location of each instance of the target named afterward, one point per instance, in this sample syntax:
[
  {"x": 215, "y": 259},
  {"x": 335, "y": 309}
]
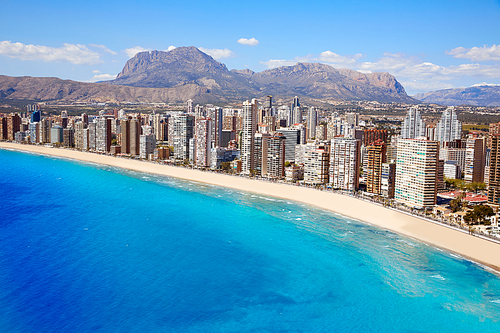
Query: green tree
[
  {"x": 482, "y": 212},
  {"x": 456, "y": 204},
  {"x": 225, "y": 165},
  {"x": 479, "y": 214},
  {"x": 287, "y": 164}
]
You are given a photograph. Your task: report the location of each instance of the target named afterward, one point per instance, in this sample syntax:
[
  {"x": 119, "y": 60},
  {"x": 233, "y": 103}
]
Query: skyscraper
[
  {"x": 494, "y": 171},
  {"x": 316, "y": 166},
  {"x": 103, "y": 135},
  {"x": 448, "y": 128},
  {"x": 276, "y": 156},
  {"x": 376, "y": 157},
  {"x": 292, "y": 140},
  {"x": 413, "y": 126},
  {"x": 372, "y": 135},
  {"x": 147, "y": 145},
  {"x": 344, "y": 163},
  {"x": 312, "y": 121},
  {"x": 352, "y": 118},
  {"x": 296, "y": 112},
  {"x": 474, "y": 160},
  {"x": 388, "y": 180},
  {"x": 203, "y": 142},
  {"x": 248, "y": 135},
  {"x": 183, "y": 131},
  {"x": 416, "y": 172},
  {"x": 135, "y": 136}
]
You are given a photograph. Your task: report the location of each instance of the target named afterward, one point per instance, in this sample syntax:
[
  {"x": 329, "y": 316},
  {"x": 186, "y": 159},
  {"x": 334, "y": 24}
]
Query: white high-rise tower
[
  {"x": 448, "y": 128},
  {"x": 248, "y": 135},
  {"x": 413, "y": 126}
]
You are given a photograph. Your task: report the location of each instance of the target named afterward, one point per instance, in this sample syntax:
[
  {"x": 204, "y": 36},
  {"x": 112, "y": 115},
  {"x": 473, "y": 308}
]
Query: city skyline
[{"x": 425, "y": 45}]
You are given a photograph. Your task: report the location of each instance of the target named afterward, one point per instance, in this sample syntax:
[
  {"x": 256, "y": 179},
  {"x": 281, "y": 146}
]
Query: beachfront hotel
[{"x": 416, "y": 172}]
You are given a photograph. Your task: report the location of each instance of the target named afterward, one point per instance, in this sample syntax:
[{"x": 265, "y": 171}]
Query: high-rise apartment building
[
  {"x": 203, "y": 142},
  {"x": 135, "y": 135},
  {"x": 352, "y": 118},
  {"x": 345, "y": 155},
  {"x": 248, "y": 136},
  {"x": 312, "y": 121},
  {"x": 316, "y": 166},
  {"x": 474, "y": 160},
  {"x": 276, "y": 156},
  {"x": 125, "y": 136},
  {"x": 292, "y": 140},
  {"x": 103, "y": 135},
  {"x": 416, "y": 172},
  {"x": 261, "y": 142},
  {"x": 68, "y": 137},
  {"x": 413, "y": 126},
  {"x": 376, "y": 157},
  {"x": 448, "y": 128},
  {"x": 147, "y": 145},
  {"x": 453, "y": 154},
  {"x": 13, "y": 126},
  {"x": 56, "y": 134},
  {"x": 34, "y": 128},
  {"x": 494, "y": 171},
  {"x": 183, "y": 126},
  {"x": 44, "y": 130},
  {"x": 372, "y": 135},
  {"x": 388, "y": 180}
]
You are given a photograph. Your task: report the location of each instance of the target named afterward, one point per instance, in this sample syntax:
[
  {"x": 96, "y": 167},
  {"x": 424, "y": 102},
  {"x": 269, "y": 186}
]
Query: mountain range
[
  {"x": 188, "y": 65},
  {"x": 188, "y": 73},
  {"x": 477, "y": 95}
]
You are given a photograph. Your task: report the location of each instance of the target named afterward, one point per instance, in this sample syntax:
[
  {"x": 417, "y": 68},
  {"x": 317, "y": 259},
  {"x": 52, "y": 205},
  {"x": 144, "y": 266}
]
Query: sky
[{"x": 427, "y": 45}]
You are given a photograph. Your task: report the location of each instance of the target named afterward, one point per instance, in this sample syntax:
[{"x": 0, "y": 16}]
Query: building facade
[{"x": 417, "y": 172}]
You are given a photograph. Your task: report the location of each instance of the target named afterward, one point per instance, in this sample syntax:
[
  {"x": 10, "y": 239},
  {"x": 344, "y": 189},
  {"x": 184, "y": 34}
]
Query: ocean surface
[{"x": 89, "y": 248}]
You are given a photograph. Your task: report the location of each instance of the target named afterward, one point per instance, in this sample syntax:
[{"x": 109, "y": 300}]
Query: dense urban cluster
[{"x": 412, "y": 166}]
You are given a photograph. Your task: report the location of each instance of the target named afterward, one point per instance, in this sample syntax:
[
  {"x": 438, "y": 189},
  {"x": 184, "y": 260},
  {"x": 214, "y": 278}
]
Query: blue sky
[{"x": 427, "y": 45}]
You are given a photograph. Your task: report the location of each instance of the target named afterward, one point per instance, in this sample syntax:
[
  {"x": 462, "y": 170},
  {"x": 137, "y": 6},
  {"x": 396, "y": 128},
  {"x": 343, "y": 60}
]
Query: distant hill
[
  {"x": 54, "y": 89},
  {"x": 187, "y": 73},
  {"x": 188, "y": 65},
  {"x": 477, "y": 96}
]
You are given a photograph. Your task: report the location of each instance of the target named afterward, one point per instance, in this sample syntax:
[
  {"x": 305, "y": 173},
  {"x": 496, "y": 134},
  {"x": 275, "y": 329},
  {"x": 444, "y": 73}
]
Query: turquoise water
[{"x": 87, "y": 248}]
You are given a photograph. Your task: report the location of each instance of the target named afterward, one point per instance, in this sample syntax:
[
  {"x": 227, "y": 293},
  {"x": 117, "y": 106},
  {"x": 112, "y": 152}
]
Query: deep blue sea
[{"x": 89, "y": 248}]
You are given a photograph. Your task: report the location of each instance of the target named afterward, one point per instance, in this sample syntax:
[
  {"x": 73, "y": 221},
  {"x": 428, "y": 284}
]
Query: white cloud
[
  {"x": 104, "y": 48},
  {"x": 334, "y": 58},
  {"x": 73, "y": 53},
  {"x": 170, "y": 48},
  {"x": 485, "y": 53},
  {"x": 273, "y": 63},
  {"x": 327, "y": 57},
  {"x": 134, "y": 50},
  {"x": 414, "y": 73},
  {"x": 482, "y": 84},
  {"x": 217, "y": 53},
  {"x": 95, "y": 71},
  {"x": 245, "y": 41},
  {"x": 102, "y": 77}
]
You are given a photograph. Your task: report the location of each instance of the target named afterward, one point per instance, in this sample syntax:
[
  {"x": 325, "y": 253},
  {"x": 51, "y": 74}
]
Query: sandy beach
[{"x": 471, "y": 247}]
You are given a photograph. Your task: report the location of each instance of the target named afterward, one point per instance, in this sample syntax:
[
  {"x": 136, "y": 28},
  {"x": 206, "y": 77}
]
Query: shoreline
[{"x": 479, "y": 250}]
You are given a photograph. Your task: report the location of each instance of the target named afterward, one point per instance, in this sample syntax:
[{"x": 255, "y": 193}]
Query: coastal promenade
[{"x": 471, "y": 247}]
